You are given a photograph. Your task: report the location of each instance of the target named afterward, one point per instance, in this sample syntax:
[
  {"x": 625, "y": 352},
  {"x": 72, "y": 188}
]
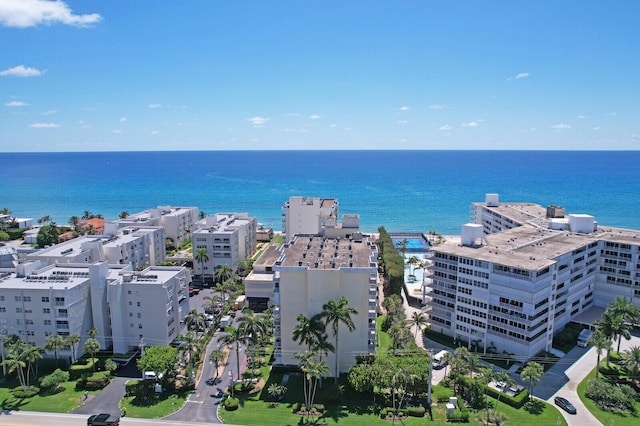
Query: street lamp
[{"x": 231, "y": 382}]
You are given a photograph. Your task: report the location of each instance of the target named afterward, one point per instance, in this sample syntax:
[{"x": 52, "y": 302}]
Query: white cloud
[
  {"x": 402, "y": 122},
  {"x": 470, "y": 124},
  {"x": 153, "y": 106},
  {"x": 44, "y": 125},
  {"x": 595, "y": 129},
  {"x": 257, "y": 121},
  {"x": 315, "y": 116},
  {"x": 437, "y": 106},
  {"x": 333, "y": 125},
  {"x": 50, "y": 112},
  {"x": 521, "y": 75},
  {"x": 21, "y": 71},
  {"x": 123, "y": 119},
  {"x": 29, "y": 13},
  {"x": 404, "y": 108},
  {"x": 16, "y": 104},
  {"x": 292, "y": 114},
  {"x": 445, "y": 127},
  {"x": 561, "y": 126},
  {"x": 156, "y": 132},
  {"x": 116, "y": 131},
  {"x": 582, "y": 117},
  {"x": 612, "y": 114}
]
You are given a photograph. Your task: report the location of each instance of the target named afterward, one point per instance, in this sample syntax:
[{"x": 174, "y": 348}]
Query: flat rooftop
[
  {"x": 326, "y": 253},
  {"x": 519, "y": 212},
  {"x": 534, "y": 248}
]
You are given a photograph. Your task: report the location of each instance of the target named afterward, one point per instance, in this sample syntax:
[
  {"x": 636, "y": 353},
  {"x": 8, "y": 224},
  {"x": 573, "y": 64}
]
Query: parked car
[{"x": 565, "y": 404}]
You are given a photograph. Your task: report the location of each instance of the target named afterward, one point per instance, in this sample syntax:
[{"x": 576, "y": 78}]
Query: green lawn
[
  {"x": 606, "y": 417},
  {"x": 62, "y": 402},
  {"x": 157, "y": 406},
  {"x": 256, "y": 409}
]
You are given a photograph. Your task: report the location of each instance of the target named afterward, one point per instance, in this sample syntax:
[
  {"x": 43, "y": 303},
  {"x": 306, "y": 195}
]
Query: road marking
[{"x": 195, "y": 402}]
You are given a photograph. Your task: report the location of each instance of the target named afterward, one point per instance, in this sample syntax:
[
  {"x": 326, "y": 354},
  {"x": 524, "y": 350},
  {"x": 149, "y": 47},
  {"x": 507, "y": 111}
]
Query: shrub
[
  {"x": 15, "y": 234},
  {"x": 318, "y": 408},
  {"x": 458, "y": 416},
  {"x": 82, "y": 367},
  {"x": 54, "y": 379},
  {"x": 515, "y": 401},
  {"x": 28, "y": 392},
  {"x": 297, "y": 407},
  {"x": 231, "y": 404},
  {"x": 416, "y": 411}
]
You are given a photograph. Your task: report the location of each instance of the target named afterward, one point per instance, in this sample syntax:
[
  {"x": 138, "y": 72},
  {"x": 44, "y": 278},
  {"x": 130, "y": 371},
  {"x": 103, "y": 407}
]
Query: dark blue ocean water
[{"x": 402, "y": 190}]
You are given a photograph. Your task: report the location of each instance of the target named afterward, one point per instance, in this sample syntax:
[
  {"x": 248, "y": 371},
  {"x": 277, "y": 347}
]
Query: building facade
[
  {"x": 310, "y": 271},
  {"x": 228, "y": 238},
  {"x": 177, "y": 221},
  {"x": 522, "y": 272},
  {"x": 66, "y": 299}
]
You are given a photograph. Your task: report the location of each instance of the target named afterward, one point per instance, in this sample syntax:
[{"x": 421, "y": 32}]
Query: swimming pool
[{"x": 414, "y": 243}]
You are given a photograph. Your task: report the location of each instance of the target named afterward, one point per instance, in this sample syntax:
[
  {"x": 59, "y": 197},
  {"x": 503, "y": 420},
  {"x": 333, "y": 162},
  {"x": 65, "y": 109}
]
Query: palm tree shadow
[
  {"x": 534, "y": 407},
  {"x": 12, "y": 404}
]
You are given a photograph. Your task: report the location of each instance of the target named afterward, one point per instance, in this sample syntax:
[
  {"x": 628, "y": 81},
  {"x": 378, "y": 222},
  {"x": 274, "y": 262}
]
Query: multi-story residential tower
[
  {"x": 316, "y": 216},
  {"x": 177, "y": 221},
  {"x": 312, "y": 270},
  {"x": 532, "y": 270},
  {"x": 229, "y": 239},
  {"x": 120, "y": 303}
]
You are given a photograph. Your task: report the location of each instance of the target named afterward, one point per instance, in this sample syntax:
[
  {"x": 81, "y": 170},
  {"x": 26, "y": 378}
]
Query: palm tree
[
  {"x": 532, "y": 372},
  {"x": 202, "y": 214},
  {"x": 210, "y": 302},
  {"x": 234, "y": 336},
  {"x": 275, "y": 391},
  {"x": 609, "y": 325},
  {"x": 195, "y": 320},
  {"x": 418, "y": 319},
  {"x": 93, "y": 332},
  {"x": 630, "y": 359},
  {"x": 44, "y": 220},
  {"x": 201, "y": 257},
  {"x": 72, "y": 340},
  {"x": 414, "y": 263},
  {"x": 74, "y": 221},
  {"x": 504, "y": 377},
  {"x": 308, "y": 330},
  {"x": 87, "y": 215},
  {"x": 622, "y": 307},
  {"x": 32, "y": 354},
  {"x": 92, "y": 346},
  {"x": 334, "y": 313},
  {"x": 223, "y": 273},
  {"x": 402, "y": 246},
  {"x": 313, "y": 370},
  {"x": 123, "y": 214},
  {"x": 16, "y": 362},
  {"x": 216, "y": 357},
  {"x": 253, "y": 327},
  {"x": 600, "y": 342},
  {"x": 54, "y": 343},
  {"x": 189, "y": 342},
  {"x": 447, "y": 358}
]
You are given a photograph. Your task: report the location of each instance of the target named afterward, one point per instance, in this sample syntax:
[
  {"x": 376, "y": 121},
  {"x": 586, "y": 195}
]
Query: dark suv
[{"x": 565, "y": 404}]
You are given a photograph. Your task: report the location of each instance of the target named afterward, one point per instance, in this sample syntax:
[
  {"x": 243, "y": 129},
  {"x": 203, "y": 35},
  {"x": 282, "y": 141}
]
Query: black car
[{"x": 565, "y": 404}]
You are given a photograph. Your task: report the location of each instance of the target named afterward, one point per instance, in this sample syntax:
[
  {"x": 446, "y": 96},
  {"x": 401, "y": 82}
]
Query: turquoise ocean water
[{"x": 402, "y": 190}]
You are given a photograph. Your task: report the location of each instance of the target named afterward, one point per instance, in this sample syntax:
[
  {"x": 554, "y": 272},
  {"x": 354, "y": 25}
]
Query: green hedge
[
  {"x": 15, "y": 234},
  {"x": 83, "y": 367},
  {"x": 515, "y": 401},
  {"x": 416, "y": 411},
  {"x": 392, "y": 263}
]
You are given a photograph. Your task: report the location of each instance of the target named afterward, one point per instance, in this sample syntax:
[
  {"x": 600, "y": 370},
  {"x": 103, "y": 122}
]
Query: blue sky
[{"x": 89, "y": 75}]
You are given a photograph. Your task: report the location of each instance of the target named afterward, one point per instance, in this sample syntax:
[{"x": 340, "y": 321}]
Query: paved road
[
  {"x": 30, "y": 418},
  {"x": 579, "y": 362}
]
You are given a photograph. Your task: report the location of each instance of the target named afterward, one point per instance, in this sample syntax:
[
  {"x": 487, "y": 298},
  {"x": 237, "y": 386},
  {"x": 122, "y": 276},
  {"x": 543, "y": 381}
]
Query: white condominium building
[
  {"x": 316, "y": 216},
  {"x": 177, "y": 221},
  {"x": 522, "y": 272},
  {"x": 229, "y": 239},
  {"x": 138, "y": 246},
  {"x": 312, "y": 270},
  {"x": 121, "y": 304}
]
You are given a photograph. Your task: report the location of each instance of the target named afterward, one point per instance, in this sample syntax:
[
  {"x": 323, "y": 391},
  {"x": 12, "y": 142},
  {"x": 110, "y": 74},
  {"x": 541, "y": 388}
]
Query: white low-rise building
[
  {"x": 177, "y": 221},
  {"x": 228, "y": 238}
]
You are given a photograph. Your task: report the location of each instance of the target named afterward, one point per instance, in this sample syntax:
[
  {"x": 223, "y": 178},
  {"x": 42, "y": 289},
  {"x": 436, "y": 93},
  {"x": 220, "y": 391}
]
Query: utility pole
[
  {"x": 430, "y": 375},
  {"x": 3, "y": 334}
]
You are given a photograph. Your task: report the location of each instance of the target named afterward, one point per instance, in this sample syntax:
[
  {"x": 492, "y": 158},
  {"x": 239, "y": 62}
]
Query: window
[
  {"x": 46, "y": 310},
  {"x": 1, "y": 298},
  {"x": 139, "y": 315},
  {"x": 138, "y": 303},
  {"x": 27, "y": 298},
  {"x": 18, "y": 310},
  {"x": 45, "y": 299},
  {"x": 18, "y": 298},
  {"x": 59, "y": 301},
  {"x": 3, "y": 309},
  {"x": 47, "y": 322}
]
